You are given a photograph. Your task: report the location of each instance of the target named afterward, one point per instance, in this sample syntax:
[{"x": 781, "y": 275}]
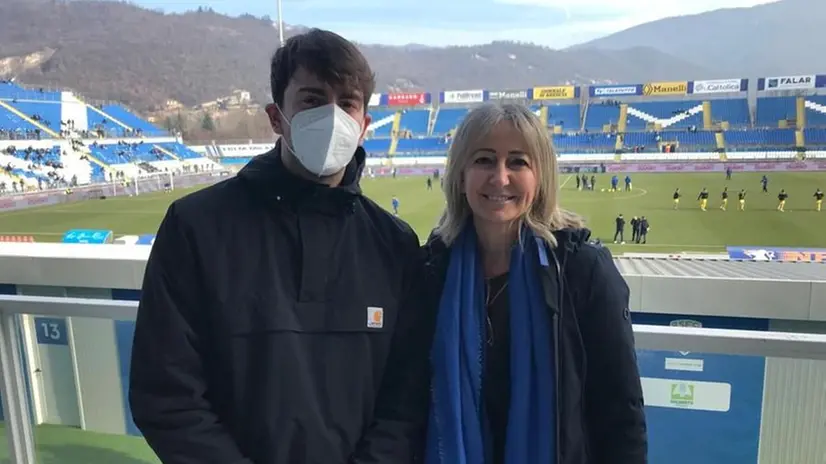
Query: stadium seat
[
  {"x": 699, "y": 141},
  {"x": 97, "y": 120},
  {"x": 815, "y": 136},
  {"x": 180, "y": 150},
  {"x": 16, "y": 128},
  {"x": 422, "y": 146},
  {"x": 382, "y": 125},
  {"x": 755, "y": 138},
  {"x": 565, "y": 116},
  {"x": 735, "y": 111},
  {"x": 770, "y": 110},
  {"x": 46, "y": 113},
  {"x": 584, "y": 143},
  {"x": 601, "y": 114},
  {"x": 668, "y": 114},
  {"x": 123, "y": 153},
  {"x": 377, "y": 147},
  {"x": 815, "y": 111},
  {"x": 415, "y": 120},
  {"x": 121, "y": 114},
  {"x": 447, "y": 119},
  {"x": 10, "y": 91}
]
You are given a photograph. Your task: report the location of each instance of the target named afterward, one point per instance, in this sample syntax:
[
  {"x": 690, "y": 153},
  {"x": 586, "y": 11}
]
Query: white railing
[{"x": 648, "y": 337}]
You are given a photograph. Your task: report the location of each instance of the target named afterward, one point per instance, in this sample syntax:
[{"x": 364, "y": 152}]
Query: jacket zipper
[{"x": 555, "y": 329}]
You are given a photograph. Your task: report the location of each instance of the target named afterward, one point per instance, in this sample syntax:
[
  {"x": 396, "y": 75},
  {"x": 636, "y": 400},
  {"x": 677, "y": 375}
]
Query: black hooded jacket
[
  {"x": 601, "y": 419},
  {"x": 266, "y": 318}
]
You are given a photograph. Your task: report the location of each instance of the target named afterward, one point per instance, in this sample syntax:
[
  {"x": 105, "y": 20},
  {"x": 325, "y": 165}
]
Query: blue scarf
[{"x": 458, "y": 432}]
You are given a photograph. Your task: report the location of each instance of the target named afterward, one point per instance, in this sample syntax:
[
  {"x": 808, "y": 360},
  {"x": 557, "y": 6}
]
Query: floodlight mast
[{"x": 280, "y": 25}]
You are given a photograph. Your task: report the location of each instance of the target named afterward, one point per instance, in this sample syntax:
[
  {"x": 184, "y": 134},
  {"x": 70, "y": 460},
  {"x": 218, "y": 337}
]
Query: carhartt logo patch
[{"x": 375, "y": 317}]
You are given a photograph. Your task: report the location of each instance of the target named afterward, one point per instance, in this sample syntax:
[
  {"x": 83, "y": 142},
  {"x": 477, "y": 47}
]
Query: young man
[
  {"x": 620, "y": 230},
  {"x": 703, "y": 199},
  {"x": 781, "y": 200},
  {"x": 270, "y": 300}
]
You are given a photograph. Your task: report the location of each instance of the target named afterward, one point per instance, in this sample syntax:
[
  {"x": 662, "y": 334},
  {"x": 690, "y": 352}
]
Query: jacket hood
[
  {"x": 571, "y": 239},
  {"x": 270, "y": 166},
  {"x": 269, "y": 177}
]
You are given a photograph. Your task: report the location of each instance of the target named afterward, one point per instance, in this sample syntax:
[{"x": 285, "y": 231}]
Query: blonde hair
[{"x": 544, "y": 216}]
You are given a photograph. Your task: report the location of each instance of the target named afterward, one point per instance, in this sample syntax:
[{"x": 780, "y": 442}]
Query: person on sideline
[
  {"x": 270, "y": 300},
  {"x": 525, "y": 323}
]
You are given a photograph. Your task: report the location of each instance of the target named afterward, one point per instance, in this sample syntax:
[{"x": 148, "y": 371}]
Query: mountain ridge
[{"x": 143, "y": 58}]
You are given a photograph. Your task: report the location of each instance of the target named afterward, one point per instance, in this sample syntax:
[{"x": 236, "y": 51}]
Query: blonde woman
[{"x": 526, "y": 323}]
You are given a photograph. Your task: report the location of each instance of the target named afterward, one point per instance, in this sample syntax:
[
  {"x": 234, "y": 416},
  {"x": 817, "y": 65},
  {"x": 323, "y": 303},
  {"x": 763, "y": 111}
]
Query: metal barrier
[{"x": 648, "y": 337}]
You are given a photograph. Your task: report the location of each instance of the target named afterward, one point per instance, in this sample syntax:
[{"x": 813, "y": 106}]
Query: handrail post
[{"x": 15, "y": 401}]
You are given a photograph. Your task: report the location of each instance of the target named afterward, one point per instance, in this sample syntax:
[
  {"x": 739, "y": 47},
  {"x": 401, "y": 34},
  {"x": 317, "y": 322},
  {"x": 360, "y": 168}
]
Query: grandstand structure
[
  {"x": 782, "y": 118},
  {"x": 55, "y": 139}
]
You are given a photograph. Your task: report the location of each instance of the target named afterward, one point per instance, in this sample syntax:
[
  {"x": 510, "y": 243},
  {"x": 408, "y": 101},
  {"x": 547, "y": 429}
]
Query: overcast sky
[{"x": 556, "y": 23}]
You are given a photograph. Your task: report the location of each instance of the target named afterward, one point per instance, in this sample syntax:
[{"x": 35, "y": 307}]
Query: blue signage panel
[
  {"x": 51, "y": 331},
  {"x": 780, "y": 254},
  {"x": 702, "y": 407},
  {"x": 90, "y": 236},
  {"x": 608, "y": 91}
]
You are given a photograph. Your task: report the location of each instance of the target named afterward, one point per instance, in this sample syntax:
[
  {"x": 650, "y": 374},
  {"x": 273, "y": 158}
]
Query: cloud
[{"x": 633, "y": 12}]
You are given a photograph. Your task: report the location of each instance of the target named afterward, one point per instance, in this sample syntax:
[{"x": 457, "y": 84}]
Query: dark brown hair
[{"x": 334, "y": 59}]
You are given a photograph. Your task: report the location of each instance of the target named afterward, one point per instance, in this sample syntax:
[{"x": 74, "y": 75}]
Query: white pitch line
[{"x": 566, "y": 181}]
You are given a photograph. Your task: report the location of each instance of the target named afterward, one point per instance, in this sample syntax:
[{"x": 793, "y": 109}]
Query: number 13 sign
[{"x": 51, "y": 331}]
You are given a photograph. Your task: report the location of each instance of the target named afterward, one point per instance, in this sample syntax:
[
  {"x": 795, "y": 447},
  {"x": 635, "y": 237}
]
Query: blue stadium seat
[
  {"x": 671, "y": 114},
  {"x": 415, "y": 121},
  {"x": 422, "y": 146},
  {"x": 126, "y": 117},
  {"x": 115, "y": 153},
  {"x": 180, "y": 150},
  {"x": 377, "y": 147},
  {"x": 98, "y": 174},
  {"x": 700, "y": 141},
  {"x": 566, "y": 116},
  {"x": 48, "y": 112},
  {"x": 96, "y": 120},
  {"x": 599, "y": 114},
  {"x": 584, "y": 143},
  {"x": 9, "y": 91},
  {"x": 385, "y": 119},
  {"x": 760, "y": 138},
  {"x": 815, "y": 111},
  {"x": 15, "y": 127},
  {"x": 447, "y": 119},
  {"x": 770, "y": 110},
  {"x": 733, "y": 110},
  {"x": 815, "y": 136},
  {"x": 52, "y": 155}
]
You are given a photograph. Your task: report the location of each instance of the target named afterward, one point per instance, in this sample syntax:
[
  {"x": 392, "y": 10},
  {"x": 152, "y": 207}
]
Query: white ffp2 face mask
[{"x": 324, "y": 139}]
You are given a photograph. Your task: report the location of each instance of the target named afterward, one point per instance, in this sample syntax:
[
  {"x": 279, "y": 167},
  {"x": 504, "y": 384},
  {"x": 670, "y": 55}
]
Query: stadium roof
[{"x": 721, "y": 268}]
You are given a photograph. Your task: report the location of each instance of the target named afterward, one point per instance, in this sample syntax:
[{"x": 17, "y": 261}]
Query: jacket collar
[{"x": 269, "y": 177}]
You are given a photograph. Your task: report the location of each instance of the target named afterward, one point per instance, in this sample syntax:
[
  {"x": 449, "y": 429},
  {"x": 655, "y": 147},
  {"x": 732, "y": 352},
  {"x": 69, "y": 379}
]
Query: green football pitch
[{"x": 685, "y": 229}]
